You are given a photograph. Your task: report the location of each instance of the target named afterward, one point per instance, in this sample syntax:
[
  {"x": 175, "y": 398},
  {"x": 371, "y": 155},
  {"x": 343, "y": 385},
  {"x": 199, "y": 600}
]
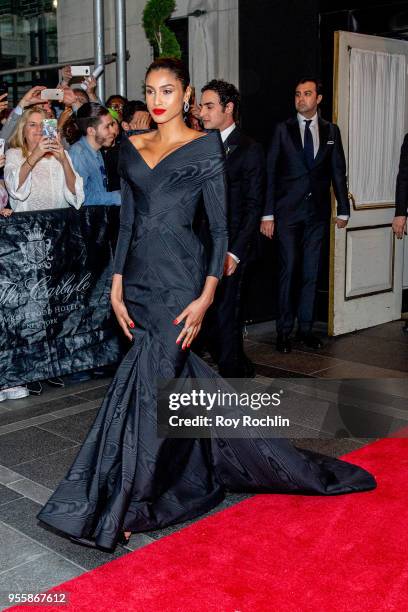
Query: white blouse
[{"x": 45, "y": 186}]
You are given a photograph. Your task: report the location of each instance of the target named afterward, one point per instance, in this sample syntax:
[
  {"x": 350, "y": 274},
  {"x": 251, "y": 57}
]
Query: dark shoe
[
  {"x": 55, "y": 382},
  {"x": 123, "y": 540},
  {"x": 35, "y": 388},
  {"x": 98, "y": 373},
  {"x": 78, "y": 377},
  {"x": 283, "y": 344},
  {"x": 309, "y": 340}
]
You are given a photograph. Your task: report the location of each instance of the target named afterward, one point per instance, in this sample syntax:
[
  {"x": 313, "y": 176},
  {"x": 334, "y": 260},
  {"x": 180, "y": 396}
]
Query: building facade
[{"x": 212, "y": 27}]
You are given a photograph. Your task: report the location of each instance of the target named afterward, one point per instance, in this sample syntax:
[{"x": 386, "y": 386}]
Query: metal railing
[
  {"x": 120, "y": 57},
  {"x": 108, "y": 59}
]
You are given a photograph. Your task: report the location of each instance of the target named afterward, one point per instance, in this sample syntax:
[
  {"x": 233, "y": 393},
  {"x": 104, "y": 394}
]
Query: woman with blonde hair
[{"x": 39, "y": 174}]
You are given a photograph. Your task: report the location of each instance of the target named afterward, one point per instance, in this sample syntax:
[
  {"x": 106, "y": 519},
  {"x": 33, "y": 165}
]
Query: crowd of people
[
  {"x": 77, "y": 167},
  {"x": 288, "y": 190}
]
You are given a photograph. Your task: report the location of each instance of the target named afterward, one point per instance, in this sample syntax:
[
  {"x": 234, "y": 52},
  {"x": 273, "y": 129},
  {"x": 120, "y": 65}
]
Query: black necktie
[{"x": 308, "y": 144}]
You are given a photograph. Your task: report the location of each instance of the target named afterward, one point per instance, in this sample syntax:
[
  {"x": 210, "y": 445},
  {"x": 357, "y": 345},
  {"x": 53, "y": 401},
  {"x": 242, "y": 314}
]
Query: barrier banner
[{"x": 55, "y": 277}]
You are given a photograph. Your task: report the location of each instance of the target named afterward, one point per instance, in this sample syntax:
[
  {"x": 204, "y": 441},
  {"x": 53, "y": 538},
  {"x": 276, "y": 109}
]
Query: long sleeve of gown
[
  {"x": 127, "y": 215},
  {"x": 215, "y": 202}
]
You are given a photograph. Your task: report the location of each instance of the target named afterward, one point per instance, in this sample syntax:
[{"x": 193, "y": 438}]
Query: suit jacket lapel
[
  {"x": 294, "y": 131},
  {"x": 324, "y": 127},
  {"x": 232, "y": 142}
]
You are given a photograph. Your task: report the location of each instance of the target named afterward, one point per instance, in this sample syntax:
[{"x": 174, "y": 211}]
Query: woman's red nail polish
[
  {"x": 178, "y": 341},
  {"x": 131, "y": 324},
  {"x": 175, "y": 322}
]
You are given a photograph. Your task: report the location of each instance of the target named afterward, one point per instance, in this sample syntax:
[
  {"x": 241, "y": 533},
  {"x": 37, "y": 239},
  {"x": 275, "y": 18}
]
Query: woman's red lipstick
[{"x": 159, "y": 111}]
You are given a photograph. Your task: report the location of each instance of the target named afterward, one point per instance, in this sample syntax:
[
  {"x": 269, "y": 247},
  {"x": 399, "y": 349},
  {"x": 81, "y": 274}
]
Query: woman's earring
[{"x": 186, "y": 106}]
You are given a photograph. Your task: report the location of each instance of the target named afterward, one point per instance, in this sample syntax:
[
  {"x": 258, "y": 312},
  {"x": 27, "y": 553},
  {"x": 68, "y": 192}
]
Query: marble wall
[{"x": 213, "y": 39}]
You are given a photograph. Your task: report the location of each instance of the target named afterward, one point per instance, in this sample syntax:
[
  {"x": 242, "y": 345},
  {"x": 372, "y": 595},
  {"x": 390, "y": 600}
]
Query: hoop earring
[{"x": 186, "y": 106}]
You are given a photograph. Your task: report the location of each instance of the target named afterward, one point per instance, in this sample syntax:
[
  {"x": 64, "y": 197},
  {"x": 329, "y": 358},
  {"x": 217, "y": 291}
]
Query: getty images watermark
[
  {"x": 282, "y": 408},
  {"x": 209, "y": 410},
  {"x": 224, "y": 399}
]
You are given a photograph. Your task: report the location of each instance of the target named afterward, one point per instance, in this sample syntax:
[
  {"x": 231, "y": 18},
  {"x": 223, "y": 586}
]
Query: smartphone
[
  {"x": 96, "y": 73},
  {"x": 49, "y": 128},
  {"x": 2, "y": 145},
  {"x": 80, "y": 71},
  {"x": 52, "y": 94}
]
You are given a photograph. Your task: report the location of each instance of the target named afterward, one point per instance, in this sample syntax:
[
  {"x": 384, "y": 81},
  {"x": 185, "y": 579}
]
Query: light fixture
[{"x": 55, "y": 4}]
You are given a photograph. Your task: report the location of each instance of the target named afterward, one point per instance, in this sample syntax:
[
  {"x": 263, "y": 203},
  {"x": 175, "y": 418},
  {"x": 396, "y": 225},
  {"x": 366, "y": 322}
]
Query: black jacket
[
  {"x": 246, "y": 183},
  {"x": 289, "y": 179},
  {"x": 401, "y": 195}
]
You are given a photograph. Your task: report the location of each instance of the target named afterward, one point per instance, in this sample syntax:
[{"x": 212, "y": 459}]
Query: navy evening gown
[{"x": 124, "y": 477}]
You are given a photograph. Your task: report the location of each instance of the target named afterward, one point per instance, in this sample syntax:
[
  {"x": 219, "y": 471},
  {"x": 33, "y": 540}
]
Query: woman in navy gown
[{"x": 125, "y": 479}]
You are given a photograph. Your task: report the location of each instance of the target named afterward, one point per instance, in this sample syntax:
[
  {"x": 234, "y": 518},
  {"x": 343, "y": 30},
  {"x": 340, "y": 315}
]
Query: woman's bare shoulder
[
  {"x": 194, "y": 134},
  {"x": 140, "y": 140}
]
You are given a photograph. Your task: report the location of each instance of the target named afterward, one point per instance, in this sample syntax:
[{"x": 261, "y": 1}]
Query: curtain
[{"x": 376, "y": 124}]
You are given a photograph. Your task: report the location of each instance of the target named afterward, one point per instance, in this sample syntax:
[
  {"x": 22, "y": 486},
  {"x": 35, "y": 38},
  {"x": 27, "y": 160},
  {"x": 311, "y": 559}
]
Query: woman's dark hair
[
  {"x": 71, "y": 131},
  {"x": 311, "y": 79},
  {"x": 227, "y": 92},
  {"x": 174, "y": 65},
  {"x": 89, "y": 115},
  {"x": 109, "y": 100}
]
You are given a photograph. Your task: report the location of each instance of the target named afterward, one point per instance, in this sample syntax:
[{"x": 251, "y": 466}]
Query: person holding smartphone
[{"x": 38, "y": 173}]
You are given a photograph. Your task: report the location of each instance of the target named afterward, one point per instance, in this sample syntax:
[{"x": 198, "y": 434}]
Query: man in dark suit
[
  {"x": 219, "y": 109},
  {"x": 305, "y": 157},
  {"x": 399, "y": 223}
]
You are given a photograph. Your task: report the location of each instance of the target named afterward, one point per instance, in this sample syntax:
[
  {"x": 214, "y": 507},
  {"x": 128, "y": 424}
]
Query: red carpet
[{"x": 272, "y": 553}]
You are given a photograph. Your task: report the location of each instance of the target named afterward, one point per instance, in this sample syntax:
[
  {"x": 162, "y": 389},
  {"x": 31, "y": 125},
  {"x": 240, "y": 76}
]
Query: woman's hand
[
  {"x": 66, "y": 74},
  {"x": 57, "y": 150},
  {"x": 33, "y": 96},
  {"x": 64, "y": 116},
  {"x": 3, "y": 102},
  {"x": 142, "y": 121},
  {"x": 193, "y": 317},
  {"x": 69, "y": 96},
  {"x": 119, "y": 307},
  {"x": 91, "y": 88},
  {"x": 6, "y": 212},
  {"x": 42, "y": 148}
]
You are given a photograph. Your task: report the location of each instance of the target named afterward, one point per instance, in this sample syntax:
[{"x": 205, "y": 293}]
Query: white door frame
[{"x": 352, "y": 305}]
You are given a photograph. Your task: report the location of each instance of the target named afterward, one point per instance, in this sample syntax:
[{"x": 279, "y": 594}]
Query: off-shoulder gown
[{"x": 124, "y": 477}]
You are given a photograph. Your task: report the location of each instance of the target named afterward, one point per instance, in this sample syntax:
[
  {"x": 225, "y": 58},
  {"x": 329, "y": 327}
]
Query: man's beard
[{"x": 100, "y": 140}]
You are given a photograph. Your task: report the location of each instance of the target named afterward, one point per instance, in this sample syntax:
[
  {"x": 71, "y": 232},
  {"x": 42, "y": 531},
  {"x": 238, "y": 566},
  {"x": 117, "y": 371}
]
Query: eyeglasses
[{"x": 104, "y": 178}]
